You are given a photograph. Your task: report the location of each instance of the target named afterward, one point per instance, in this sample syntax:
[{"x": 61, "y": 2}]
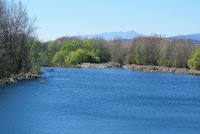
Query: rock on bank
[
  {"x": 102, "y": 65},
  {"x": 144, "y": 68},
  {"x": 14, "y": 79},
  {"x": 161, "y": 69}
]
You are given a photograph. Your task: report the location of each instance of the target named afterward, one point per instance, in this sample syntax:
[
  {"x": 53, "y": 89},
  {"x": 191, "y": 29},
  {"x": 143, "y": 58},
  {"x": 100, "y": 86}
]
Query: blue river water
[{"x": 110, "y": 101}]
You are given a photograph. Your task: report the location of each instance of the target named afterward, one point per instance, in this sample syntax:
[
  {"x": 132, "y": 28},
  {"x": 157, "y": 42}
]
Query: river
[{"x": 112, "y": 101}]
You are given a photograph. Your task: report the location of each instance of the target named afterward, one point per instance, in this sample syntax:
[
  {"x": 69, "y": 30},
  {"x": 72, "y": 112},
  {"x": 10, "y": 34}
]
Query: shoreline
[
  {"x": 150, "y": 68},
  {"x": 133, "y": 67},
  {"x": 16, "y": 78},
  {"x": 144, "y": 68}
]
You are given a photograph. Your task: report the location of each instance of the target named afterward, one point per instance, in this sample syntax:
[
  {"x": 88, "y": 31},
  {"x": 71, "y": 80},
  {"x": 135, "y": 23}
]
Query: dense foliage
[
  {"x": 159, "y": 51},
  {"x": 75, "y": 52},
  {"x": 16, "y": 39},
  {"x": 80, "y": 56},
  {"x": 194, "y": 62},
  {"x": 142, "y": 51}
]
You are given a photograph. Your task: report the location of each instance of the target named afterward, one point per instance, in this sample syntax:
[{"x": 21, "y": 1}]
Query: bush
[
  {"x": 194, "y": 62},
  {"x": 81, "y": 56}
]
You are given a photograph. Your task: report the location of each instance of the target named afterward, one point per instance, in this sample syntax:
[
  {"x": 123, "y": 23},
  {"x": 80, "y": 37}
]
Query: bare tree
[{"x": 16, "y": 35}]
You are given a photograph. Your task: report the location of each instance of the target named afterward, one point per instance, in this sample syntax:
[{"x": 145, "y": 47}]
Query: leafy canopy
[
  {"x": 80, "y": 56},
  {"x": 194, "y": 62}
]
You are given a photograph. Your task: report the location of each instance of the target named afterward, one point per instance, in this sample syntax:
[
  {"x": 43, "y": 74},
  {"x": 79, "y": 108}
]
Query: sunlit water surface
[{"x": 102, "y": 101}]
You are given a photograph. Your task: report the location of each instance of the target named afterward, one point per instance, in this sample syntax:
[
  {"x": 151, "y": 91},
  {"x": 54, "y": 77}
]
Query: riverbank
[
  {"x": 16, "y": 78},
  {"x": 161, "y": 69},
  {"x": 144, "y": 68},
  {"x": 102, "y": 65}
]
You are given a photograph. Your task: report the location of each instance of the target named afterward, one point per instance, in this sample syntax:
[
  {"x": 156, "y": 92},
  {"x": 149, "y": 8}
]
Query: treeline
[
  {"x": 72, "y": 51},
  {"x": 160, "y": 51},
  {"x": 16, "y": 39},
  {"x": 153, "y": 50}
]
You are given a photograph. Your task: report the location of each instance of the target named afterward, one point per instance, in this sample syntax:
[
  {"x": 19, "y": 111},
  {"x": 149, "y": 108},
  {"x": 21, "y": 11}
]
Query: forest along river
[{"x": 101, "y": 101}]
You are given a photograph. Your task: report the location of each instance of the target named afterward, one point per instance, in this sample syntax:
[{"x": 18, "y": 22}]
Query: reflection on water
[{"x": 48, "y": 69}]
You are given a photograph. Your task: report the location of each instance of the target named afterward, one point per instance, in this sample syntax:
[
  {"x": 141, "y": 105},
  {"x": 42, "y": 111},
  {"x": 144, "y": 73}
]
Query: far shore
[
  {"x": 145, "y": 68},
  {"x": 133, "y": 67}
]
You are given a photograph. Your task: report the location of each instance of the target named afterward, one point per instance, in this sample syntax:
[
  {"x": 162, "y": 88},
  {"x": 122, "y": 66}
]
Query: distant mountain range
[
  {"x": 127, "y": 36},
  {"x": 114, "y": 35},
  {"x": 193, "y": 38},
  {"x": 189, "y": 36}
]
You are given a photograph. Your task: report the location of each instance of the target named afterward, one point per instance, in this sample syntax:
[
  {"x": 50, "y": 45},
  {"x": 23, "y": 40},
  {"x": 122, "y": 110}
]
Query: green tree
[
  {"x": 35, "y": 56},
  {"x": 59, "y": 57},
  {"x": 72, "y": 46},
  {"x": 80, "y": 56},
  {"x": 99, "y": 47},
  {"x": 53, "y": 47},
  {"x": 137, "y": 56},
  {"x": 118, "y": 51},
  {"x": 194, "y": 62}
]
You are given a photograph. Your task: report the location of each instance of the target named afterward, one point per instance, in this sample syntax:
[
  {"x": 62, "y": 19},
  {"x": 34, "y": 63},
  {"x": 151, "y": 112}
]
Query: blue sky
[{"x": 56, "y": 18}]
